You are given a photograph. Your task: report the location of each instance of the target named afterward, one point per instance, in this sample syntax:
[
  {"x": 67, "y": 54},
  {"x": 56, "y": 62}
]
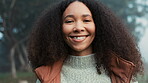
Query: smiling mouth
[{"x": 78, "y": 38}]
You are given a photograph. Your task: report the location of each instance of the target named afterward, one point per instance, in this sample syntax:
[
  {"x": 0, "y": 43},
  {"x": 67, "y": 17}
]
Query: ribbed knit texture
[{"x": 82, "y": 69}]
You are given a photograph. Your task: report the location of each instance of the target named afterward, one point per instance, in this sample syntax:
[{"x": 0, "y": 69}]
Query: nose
[{"x": 79, "y": 27}]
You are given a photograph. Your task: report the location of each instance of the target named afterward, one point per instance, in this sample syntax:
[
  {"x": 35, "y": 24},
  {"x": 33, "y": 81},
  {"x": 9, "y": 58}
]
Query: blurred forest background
[{"x": 17, "y": 17}]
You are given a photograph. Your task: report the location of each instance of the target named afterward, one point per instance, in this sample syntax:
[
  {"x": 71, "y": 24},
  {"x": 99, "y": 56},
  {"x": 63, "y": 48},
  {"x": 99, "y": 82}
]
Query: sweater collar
[{"x": 80, "y": 61}]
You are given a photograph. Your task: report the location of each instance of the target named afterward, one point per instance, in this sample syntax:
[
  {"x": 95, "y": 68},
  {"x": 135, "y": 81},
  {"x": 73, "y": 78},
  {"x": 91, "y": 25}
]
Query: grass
[{"x": 21, "y": 76}]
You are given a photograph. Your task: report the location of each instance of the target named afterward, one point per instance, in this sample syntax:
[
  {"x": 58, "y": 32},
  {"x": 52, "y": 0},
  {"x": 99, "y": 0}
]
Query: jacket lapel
[{"x": 122, "y": 69}]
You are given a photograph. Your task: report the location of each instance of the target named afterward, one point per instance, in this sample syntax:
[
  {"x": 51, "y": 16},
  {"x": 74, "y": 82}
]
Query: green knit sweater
[{"x": 82, "y": 69}]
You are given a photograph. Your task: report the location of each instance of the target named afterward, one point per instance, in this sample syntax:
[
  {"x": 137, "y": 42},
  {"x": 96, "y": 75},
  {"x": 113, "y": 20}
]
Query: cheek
[
  {"x": 66, "y": 29},
  {"x": 91, "y": 28}
]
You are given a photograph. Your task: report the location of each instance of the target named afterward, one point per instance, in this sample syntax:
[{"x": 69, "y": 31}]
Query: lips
[{"x": 79, "y": 38}]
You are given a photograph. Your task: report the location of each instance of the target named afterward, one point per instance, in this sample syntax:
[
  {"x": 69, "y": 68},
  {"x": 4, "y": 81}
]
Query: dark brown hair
[{"x": 46, "y": 43}]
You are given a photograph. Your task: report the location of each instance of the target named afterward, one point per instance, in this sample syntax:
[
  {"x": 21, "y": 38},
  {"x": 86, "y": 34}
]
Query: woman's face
[{"x": 78, "y": 28}]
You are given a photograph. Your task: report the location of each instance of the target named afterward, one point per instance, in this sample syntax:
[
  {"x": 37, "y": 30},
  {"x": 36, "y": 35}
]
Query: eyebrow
[
  {"x": 68, "y": 16},
  {"x": 84, "y": 15}
]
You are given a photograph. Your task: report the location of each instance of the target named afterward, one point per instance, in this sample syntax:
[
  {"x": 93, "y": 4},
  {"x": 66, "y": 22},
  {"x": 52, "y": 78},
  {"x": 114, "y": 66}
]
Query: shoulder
[
  {"x": 42, "y": 71},
  {"x": 46, "y": 72},
  {"x": 45, "y": 69},
  {"x": 119, "y": 61},
  {"x": 121, "y": 68}
]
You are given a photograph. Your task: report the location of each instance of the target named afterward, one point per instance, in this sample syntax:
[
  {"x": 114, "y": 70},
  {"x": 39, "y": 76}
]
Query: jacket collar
[
  {"x": 121, "y": 69},
  {"x": 46, "y": 74}
]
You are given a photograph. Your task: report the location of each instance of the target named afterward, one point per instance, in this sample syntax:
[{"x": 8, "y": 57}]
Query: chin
[
  {"x": 78, "y": 50},
  {"x": 82, "y": 50}
]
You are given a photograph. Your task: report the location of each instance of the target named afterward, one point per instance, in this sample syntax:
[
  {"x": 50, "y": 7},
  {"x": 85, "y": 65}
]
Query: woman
[{"x": 82, "y": 41}]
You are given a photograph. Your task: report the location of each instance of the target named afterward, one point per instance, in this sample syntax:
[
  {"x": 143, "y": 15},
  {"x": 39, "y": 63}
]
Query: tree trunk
[
  {"x": 21, "y": 59},
  {"x": 12, "y": 59},
  {"x": 26, "y": 56}
]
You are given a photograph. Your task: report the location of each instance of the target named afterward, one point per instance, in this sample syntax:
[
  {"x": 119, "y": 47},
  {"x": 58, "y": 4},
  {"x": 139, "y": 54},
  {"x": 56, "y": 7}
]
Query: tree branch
[{"x": 12, "y": 4}]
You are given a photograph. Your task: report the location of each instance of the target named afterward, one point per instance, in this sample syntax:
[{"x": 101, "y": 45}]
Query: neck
[{"x": 83, "y": 52}]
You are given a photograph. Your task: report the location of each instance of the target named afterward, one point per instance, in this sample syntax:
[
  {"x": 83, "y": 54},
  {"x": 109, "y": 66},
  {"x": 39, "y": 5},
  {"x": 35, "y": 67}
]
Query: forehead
[{"x": 77, "y": 8}]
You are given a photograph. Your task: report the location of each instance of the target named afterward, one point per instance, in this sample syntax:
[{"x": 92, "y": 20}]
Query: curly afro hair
[{"x": 46, "y": 44}]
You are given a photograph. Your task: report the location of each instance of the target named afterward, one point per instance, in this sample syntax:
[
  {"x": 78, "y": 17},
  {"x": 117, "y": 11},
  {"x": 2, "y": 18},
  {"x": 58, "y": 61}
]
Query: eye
[
  {"x": 68, "y": 21},
  {"x": 86, "y": 20}
]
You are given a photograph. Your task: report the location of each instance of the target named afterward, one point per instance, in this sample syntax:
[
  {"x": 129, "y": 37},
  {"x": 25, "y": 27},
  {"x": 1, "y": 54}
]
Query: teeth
[{"x": 79, "y": 37}]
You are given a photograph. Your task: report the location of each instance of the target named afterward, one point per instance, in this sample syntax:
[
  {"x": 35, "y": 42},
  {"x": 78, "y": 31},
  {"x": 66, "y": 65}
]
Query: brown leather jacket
[{"x": 122, "y": 71}]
